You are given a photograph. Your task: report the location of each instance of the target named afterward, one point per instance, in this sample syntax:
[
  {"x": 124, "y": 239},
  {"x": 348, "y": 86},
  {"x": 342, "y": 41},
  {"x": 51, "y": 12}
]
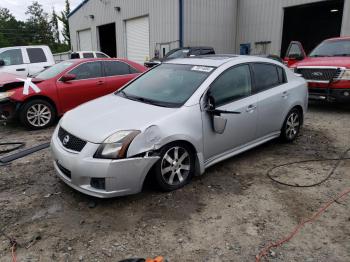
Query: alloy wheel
[
  {"x": 175, "y": 165},
  {"x": 292, "y": 125},
  {"x": 39, "y": 115}
]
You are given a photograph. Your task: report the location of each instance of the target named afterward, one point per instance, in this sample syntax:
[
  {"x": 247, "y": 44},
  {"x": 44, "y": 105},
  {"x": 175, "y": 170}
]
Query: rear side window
[
  {"x": 88, "y": 55},
  {"x": 100, "y": 55},
  {"x": 87, "y": 70},
  {"x": 115, "y": 68},
  {"x": 233, "y": 84},
  {"x": 208, "y": 52},
  {"x": 12, "y": 57},
  {"x": 281, "y": 75},
  {"x": 265, "y": 76},
  {"x": 36, "y": 55}
]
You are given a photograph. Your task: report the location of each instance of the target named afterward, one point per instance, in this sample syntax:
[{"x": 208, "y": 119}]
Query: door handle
[
  {"x": 100, "y": 82},
  {"x": 251, "y": 108},
  {"x": 20, "y": 69},
  {"x": 285, "y": 94}
]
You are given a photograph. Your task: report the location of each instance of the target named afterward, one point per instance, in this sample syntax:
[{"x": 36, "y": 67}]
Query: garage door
[
  {"x": 85, "y": 40},
  {"x": 137, "y": 39}
]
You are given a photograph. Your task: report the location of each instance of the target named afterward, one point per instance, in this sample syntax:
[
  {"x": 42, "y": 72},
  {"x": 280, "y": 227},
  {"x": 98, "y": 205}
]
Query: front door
[
  {"x": 231, "y": 91},
  {"x": 13, "y": 62},
  {"x": 88, "y": 84}
]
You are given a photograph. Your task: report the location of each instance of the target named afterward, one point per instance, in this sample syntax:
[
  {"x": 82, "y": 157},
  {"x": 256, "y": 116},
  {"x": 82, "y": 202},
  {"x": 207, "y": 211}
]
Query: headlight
[
  {"x": 345, "y": 75},
  {"x": 116, "y": 146},
  {"x": 7, "y": 94}
]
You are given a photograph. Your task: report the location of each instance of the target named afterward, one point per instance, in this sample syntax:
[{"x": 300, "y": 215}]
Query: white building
[{"x": 137, "y": 28}]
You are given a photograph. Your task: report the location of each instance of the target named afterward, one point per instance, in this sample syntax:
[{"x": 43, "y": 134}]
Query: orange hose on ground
[{"x": 265, "y": 251}]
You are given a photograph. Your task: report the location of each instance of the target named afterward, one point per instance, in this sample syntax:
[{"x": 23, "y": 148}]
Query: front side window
[
  {"x": 233, "y": 84},
  {"x": 168, "y": 85},
  {"x": 36, "y": 55},
  {"x": 265, "y": 76},
  {"x": 295, "y": 50},
  {"x": 12, "y": 57},
  {"x": 54, "y": 70},
  {"x": 113, "y": 68},
  {"x": 87, "y": 71},
  {"x": 88, "y": 55}
]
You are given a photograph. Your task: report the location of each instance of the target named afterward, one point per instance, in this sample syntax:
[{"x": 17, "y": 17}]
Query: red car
[
  {"x": 326, "y": 68},
  {"x": 39, "y": 100}
]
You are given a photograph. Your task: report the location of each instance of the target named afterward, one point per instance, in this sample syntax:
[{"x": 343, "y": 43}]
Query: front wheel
[
  {"x": 292, "y": 125},
  {"x": 37, "y": 114},
  {"x": 175, "y": 167}
]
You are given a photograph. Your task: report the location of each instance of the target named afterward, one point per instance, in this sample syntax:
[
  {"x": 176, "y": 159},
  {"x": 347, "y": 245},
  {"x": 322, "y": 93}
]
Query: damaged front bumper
[
  {"x": 8, "y": 109},
  {"x": 101, "y": 178}
]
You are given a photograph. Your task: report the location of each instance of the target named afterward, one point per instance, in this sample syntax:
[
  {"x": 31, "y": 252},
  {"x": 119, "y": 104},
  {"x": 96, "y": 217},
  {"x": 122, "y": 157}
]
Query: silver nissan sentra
[{"x": 175, "y": 121}]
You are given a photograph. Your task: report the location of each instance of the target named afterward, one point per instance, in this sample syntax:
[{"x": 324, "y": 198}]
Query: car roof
[
  {"x": 218, "y": 60},
  {"x": 79, "y": 60}
]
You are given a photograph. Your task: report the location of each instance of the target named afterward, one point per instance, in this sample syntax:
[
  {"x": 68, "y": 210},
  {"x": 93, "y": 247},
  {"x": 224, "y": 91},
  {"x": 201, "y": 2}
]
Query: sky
[{"x": 19, "y": 7}]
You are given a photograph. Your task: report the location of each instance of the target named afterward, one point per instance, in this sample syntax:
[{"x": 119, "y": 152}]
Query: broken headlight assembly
[
  {"x": 4, "y": 95},
  {"x": 116, "y": 145}
]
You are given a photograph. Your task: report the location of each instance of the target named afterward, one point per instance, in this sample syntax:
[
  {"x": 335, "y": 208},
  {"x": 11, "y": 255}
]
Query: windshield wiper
[{"x": 342, "y": 55}]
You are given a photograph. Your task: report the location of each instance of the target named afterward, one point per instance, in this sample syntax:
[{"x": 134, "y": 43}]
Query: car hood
[
  {"x": 12, "y": 81},
  {"x": 98, "y": 119},
  {"x": 325, "y": 61}
]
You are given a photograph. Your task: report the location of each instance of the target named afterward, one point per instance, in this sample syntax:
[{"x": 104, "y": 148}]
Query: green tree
[
  {"x": 64, "y": 19},
  {"x": 39, "y": 23},
  {"x": 54, "y": 26},
  {"x": 12, "y": 32}
]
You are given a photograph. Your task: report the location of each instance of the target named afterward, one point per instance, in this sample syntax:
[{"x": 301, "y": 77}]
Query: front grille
[
  {"x": 319, "y": 74},
  {"x": 64, "y": 170},
  {"x": 70, "y": 141}
]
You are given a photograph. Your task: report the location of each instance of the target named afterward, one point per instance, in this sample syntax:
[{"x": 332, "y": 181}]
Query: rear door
[
  {"x": 88, "y": 84},
  {"x": 14, "y": 62},
  {"x": 117, "y": 74},
  {"x": 37, "y": 59},
  {"x": 270, "y": 84}
]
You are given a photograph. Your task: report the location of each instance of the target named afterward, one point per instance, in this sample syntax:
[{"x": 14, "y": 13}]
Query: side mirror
[
  {"x": 68, "y": 77},
  {"x": 2, "y": 62}
]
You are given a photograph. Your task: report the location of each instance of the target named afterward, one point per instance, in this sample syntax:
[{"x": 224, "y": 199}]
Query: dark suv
[{"x": 181, "y": 53}]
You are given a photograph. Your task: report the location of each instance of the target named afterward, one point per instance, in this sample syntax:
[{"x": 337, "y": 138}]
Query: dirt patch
[{"x": 228, "y": 214}]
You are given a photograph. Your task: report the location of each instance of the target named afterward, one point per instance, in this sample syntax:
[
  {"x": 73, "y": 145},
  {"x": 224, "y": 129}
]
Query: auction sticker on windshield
[{"x": 206, "y": 69}]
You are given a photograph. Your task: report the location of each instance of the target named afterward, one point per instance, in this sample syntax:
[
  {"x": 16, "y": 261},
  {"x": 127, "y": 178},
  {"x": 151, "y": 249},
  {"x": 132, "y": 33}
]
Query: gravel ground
[{"x": 228, "y": 214}]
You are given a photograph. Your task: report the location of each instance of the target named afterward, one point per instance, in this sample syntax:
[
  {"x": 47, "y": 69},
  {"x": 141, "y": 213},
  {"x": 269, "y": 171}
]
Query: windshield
[
  {"x": 178, "y": 54},
  {"x": 332, "y": 48},
  {"x": 168, "y": 85},
  {"x": 54, "y": 70}
]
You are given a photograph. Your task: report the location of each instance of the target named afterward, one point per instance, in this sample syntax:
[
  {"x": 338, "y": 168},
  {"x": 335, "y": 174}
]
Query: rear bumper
[
  {"x": 8, "y": 109},
  {"x": 341, "y": 95}
]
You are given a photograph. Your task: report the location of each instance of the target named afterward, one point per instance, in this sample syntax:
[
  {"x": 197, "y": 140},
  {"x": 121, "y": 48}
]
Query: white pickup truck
[{"x": 25, "y": 60}]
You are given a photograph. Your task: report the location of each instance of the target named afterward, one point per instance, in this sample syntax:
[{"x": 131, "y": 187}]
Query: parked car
[
  {"x": 175, "y": 121},
  {"x": 326, "y": 68},
  {"x": 88, "y": 54},
  {"x": 37, "y": 101},
  {"x": 181, "y": 53},
  {"x": 25, "y": 60}
]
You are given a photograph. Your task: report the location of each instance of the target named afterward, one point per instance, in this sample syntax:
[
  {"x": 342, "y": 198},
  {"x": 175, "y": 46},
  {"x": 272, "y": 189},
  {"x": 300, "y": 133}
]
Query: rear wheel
[
  {"x": 292, "y": 125},
  {"x": 37, "y": 114},
  {"x": 175, "y": 167}
]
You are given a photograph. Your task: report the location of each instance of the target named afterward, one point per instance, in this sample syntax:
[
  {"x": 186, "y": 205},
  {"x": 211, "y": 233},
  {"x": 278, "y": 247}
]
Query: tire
[
  {"x": 31, "y": 119},
  {"x": 173, "y": 172},
  {"x": 292, "y": 125}
]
